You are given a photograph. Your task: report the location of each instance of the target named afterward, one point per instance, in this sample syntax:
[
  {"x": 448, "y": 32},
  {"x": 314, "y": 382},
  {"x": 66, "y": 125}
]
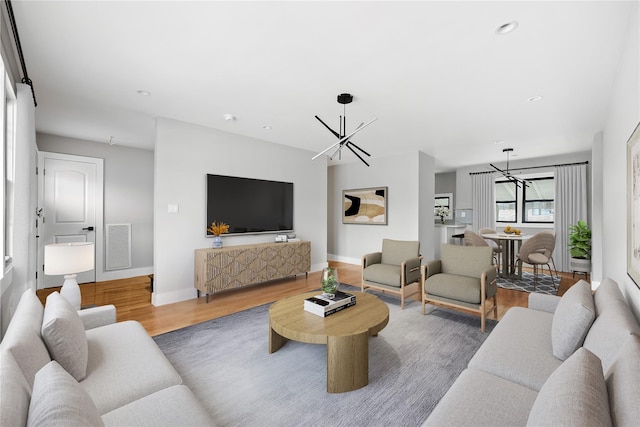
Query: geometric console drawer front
[{"x": 237, "y": 266}]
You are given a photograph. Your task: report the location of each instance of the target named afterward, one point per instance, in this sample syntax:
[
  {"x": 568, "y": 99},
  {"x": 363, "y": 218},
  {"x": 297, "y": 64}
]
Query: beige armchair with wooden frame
[
  {"x": 394, "y": 268},
  {"x": 464, "y": 277}
]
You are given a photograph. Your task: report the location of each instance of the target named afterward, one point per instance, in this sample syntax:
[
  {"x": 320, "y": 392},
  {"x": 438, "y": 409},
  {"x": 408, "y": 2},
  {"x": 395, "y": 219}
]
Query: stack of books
[{"x": 323, "y": 306}]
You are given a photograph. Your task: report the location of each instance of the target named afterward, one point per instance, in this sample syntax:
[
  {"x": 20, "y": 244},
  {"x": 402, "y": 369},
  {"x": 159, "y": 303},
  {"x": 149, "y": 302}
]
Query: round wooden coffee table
[{"x": 345, "y": 333}]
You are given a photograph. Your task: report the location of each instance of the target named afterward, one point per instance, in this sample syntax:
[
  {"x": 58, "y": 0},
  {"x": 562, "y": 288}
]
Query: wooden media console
[{"x": 237, "y": 266}]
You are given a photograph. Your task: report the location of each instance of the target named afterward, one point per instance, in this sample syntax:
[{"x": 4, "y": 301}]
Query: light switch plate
[{"x": 173, "y": 208}]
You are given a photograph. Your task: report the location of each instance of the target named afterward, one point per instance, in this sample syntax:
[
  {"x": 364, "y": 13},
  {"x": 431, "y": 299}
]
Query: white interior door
[{"x": 71, "y": 191}]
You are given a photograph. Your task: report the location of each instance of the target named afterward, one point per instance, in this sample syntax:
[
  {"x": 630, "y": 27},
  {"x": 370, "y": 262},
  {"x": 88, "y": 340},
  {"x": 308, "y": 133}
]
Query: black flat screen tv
[{"x": 249, "y": 205}]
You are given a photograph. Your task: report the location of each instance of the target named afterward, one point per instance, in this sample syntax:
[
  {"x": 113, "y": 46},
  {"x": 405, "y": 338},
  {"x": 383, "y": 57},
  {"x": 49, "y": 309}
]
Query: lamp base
[{"x": 71, "y": 291}]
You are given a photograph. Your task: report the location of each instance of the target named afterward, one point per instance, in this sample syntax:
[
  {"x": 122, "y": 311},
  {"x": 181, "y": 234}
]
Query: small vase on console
[{"x": 217, "y": 242}]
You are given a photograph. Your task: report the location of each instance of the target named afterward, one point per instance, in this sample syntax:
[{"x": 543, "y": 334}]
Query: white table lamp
[{"x": 69, "y": 259}]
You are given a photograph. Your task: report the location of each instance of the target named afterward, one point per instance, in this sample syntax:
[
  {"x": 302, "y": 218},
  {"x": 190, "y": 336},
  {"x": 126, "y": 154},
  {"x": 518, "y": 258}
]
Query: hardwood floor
[{"x": 132, "y": 298}]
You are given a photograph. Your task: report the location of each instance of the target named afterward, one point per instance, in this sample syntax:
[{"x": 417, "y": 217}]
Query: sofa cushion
[
  {"x": 519, "y": 348},
  {"x": 23, "y": 338},
  {"x": 614, "y": 321},
  {"x": 623, "y": 383},
  {"x": 64, "y": 335},
  {"x": 125, "y": 364},
  {"x": 460, "y": 288},
  {"x": 58, "y": 400},
  {"x": 469, "y": 261},
  {"x": 394, "y": 252},
  {"x": 572, "y": 319},
  {"x": 15, "y": 392},
  {"x": 385, "y": 274},
  {"x": 480, "y": 399},
  {"x": 173, "y": 406},
  {"x": 575, "y": 394}
]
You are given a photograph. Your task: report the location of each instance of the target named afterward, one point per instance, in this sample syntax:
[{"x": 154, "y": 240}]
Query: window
[
  {"x": 538, "y": 200},
  {"x": 506, "y": 202},
  {"x": 8, "y": 130}
]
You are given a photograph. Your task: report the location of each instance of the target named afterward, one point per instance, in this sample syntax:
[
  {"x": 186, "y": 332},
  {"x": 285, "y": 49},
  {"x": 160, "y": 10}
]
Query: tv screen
[{"x": 249, "y": 205}]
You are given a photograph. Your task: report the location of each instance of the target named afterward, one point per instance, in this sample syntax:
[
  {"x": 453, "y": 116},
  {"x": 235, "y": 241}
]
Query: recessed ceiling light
[
  {"x": 144, "y": 93},
  {"x": 267, "y": 127},
  {"x": 498, "y": 142},
  {"x": 507, "y": 28},
  {"x": 229, "y": 117},
  {"x": 535, "y": 98}
]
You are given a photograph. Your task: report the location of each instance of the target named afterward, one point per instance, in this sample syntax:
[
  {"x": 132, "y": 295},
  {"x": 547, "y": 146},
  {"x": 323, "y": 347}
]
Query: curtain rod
[
  {"x": 26, "y": 80},
  {"x": 586, "y": 162}
]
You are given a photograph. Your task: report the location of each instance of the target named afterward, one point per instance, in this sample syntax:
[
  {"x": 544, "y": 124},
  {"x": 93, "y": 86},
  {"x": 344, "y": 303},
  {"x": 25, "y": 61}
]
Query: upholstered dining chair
[
  {"x": 473, "y": 239},
  {"x": 394, "y": 268},
  {"x": 495, "y": 244},
  {"x": 538, "y": 251}
]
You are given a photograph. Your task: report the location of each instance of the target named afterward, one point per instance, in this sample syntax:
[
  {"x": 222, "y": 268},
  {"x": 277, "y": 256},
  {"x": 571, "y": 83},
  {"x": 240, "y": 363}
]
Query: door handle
[{"x": 88, "y": 228}]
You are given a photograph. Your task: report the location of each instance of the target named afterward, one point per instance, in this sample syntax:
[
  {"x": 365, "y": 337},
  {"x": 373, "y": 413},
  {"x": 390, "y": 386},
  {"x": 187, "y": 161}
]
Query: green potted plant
[{"x": 580, "y": 247}]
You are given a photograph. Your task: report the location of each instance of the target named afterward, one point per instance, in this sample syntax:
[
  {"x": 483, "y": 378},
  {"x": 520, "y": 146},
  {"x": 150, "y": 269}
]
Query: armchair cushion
[
  {"x": 395, "y": 252},
  {"x": 461, "y": 288},
  {"x": 384, "y": 274}
]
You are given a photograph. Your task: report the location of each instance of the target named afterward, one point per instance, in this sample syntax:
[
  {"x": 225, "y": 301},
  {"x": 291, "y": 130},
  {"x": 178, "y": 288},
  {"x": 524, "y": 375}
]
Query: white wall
[
  {"x": 624, "y": 116},
  {"x": 403, "y": 175},
  {"x": 128, "y": 194},
  {"x": 184, "y": 154}
]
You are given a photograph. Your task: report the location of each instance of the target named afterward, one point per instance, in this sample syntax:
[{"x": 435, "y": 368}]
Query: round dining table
[{"x": 508, "y": 244}]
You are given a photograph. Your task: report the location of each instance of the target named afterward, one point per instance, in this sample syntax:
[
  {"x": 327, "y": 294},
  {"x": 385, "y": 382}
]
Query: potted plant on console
[
  {"x": 580, "y": 247},
  {"x": 218, "y": 228}
]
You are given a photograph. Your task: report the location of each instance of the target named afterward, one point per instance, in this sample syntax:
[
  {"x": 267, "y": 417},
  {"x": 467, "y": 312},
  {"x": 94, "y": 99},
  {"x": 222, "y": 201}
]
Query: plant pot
[
  {"x": 582, "y": 265},
  {"x": 217, "y": 242}
]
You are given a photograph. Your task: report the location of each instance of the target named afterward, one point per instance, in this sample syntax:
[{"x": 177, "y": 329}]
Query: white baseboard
[
  {"x": 338, "y": 258},
  {"x": 173, "y": 296}
]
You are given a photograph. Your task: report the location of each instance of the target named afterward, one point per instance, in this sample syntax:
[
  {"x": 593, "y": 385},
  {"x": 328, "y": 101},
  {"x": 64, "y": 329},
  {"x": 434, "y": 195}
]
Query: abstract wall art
[{"x": 365, "y": 206}]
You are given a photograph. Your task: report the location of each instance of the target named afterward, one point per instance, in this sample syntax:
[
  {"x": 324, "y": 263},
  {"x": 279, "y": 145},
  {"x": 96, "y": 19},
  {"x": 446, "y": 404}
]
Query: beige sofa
[
  {"x": 562, "y": 361},
  {"x": 63, "y": 367}
]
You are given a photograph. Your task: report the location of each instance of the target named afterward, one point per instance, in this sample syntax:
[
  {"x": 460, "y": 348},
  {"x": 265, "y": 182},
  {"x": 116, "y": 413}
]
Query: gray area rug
[
  {"x": 546, "y": 284},
  {"x": 412, "y": 363}
]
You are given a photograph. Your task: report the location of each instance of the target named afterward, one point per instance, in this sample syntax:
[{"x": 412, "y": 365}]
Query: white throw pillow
[
  {"x": 64, "y": 335},
  {"x": 59, "y": 400},
  {"x": 575, "y": 394},
  {"x": 572, "y": 319}
]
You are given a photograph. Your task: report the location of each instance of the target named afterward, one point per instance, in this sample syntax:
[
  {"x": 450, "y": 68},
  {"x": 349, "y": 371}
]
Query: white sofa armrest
[
  {"x": 543, "y": 302},
  {"x": 98, "y": 316}
]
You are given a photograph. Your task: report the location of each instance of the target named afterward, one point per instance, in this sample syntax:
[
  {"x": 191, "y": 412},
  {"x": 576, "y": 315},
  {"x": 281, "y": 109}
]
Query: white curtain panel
[
  {"x": 570, "y": 207},
  {"x": 484, "y": 205}
]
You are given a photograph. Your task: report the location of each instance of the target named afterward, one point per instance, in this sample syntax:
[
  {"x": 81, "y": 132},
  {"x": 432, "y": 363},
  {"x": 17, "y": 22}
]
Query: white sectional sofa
[
  {"x": 562, "y": 361},
  {"x": 61, "y": 367}
]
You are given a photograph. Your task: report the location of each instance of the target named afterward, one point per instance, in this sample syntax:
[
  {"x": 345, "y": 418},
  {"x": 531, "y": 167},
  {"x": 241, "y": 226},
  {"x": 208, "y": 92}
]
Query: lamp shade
[{"x": 68, "y": 258}]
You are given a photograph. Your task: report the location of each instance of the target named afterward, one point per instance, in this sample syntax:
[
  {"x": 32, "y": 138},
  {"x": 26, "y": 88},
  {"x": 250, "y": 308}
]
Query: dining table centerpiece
[{"x": 217, "y": 229}]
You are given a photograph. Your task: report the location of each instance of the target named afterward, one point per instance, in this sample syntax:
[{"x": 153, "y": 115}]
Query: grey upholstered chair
[
  {"x": 538, "y": 251},
  {"x": 394, "y": 268},
  {"x": 463, "y": 278}
]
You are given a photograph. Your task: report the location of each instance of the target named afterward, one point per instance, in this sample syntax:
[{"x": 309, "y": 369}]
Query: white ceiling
[{"x": 435, "y": 73}]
